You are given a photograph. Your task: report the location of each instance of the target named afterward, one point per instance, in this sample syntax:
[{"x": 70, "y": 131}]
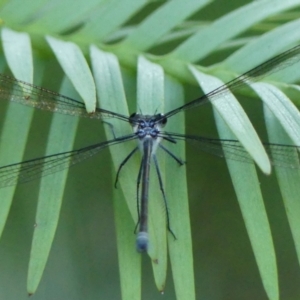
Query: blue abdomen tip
[{"x": 142, "y": 242}]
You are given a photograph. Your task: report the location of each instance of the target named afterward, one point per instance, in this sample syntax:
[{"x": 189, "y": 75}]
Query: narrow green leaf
[
  {"x": 76, "y": 68},
  {"x": 247, "y": 189},
  {"x": 288, "y": 75},
  {"x": 150, "y": 98},
  {"x": 112, "y": 97},
  {"x": 268, "y": 45},
  {"x": 17, "y": 121},
  {"x": 61, "y": 137},
  {"x": 226, "y": 27},
  {"x": 108, "y": 17},
  {"x": 18, "y": 53},
  {"x": 129, "y": 259},
  {"x": 237, "y": 120},
  {"x": 63, "y": 15},
  {"x": 288, "y": 178},
  {"x": 180, "y": 250},
  {"x": 161, "y": 21},
  {"x": 150, "y": 88},
  {"x": 285, "y": 111},
  {"x": 14, "y": 135}
]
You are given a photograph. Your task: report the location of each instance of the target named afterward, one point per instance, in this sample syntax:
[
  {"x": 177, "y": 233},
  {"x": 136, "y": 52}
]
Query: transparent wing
[
  {"x": 24, "y": 93},
  {"x": 273, "y": 65},
  {"x": 39, "y": 167},
  {"x": 280, "y": 155}
]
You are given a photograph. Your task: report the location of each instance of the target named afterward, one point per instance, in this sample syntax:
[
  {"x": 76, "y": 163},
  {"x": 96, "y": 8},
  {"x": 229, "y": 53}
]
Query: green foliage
[{"x": 111, "y": 53}]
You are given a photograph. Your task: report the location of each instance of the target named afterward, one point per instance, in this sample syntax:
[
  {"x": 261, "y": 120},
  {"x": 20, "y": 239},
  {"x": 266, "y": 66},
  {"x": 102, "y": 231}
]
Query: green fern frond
[{"x": 108, "y": 49}]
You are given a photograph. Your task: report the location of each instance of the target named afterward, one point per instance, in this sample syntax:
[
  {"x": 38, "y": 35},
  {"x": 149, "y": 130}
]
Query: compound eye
[
  {"x": 163, "y": 120},
  {"x": 133, "y": 118}
]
